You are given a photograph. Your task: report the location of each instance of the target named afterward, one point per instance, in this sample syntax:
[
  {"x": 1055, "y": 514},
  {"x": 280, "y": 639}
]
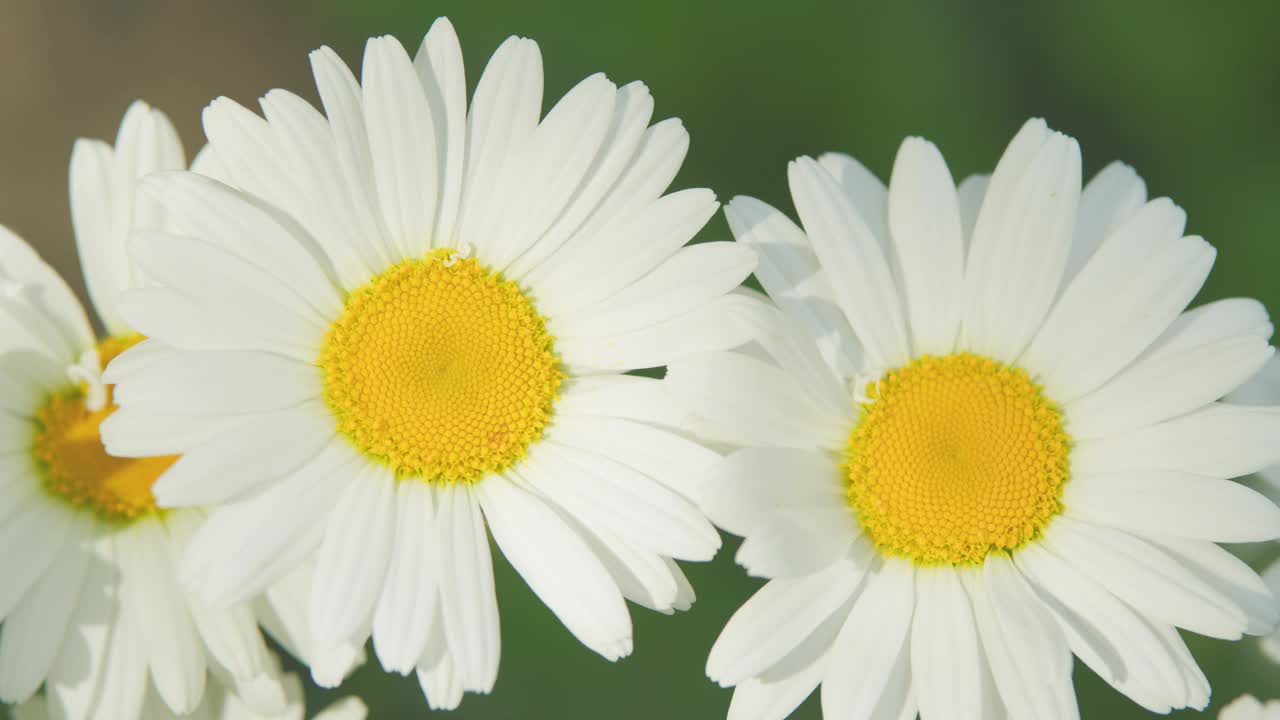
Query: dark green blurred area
[{"x": 1189, "y": 94}]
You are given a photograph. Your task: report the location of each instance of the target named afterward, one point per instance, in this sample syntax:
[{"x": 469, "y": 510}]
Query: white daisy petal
[
  {"x": 469, "y": 607},
  {"x": 1167, "y": 386},
  {"x": 354, "y": 555},
  {"x": 1172, "y": 504},
  {"x": 787, "y": 543},
  {"x": 219, "y": 383},
  {"x": 32, "y": 535},
  {"x": 1211, "y": 323},
  {"x": 1030, "y": 659},
  {"x": 151, "y": 596},
  {"x": 504, "y": 114},
  {"x": 1230, "y": 574},
  {"x": 246, "y": 546},
  {"x": 1104, "y": 632},
  {"x": 643, "y": 577},
  {"x": 284, "y": 611},
  {"x": 34, "y": 630},
  {"x": 601, "y": 492},
  {"x": 402, "y": 145},
  {"x": 1020, "y": 242},
  {"x": 1108, "y": 315},
  {"x": 588, "y": 270},
  {"x": 625, "y": 396},
  {"x": 541, "y": 179},
  {"x": 871, "y": 649},
  {"x": 407, "y": 604},
  {"x": 441, "y": 684},
  {"x": 676, "y": 462},
  {"x": 689, "y": 279},
  {"x": 750, "y": 484},
  {"x": 970, "y": 193},
  {"x": 945, "y": 654},
  {"x": 710, "y": 327},
  {"x": 849, "y": 250},
  {"x": 561, "y": 570},
  {"x": 631, "y": 114},
  {"x": 1216, "y": 441},
  {"x": 234, "y": 463},
  {"x": 99, "y": 239},
  {"x": 789, "y": 270},
  {"x": 440, "y": 69},
  {"x": 135, "y": 433},
  {"x": 778, "y": 618},
  {"x": 1108, "y": 199},
  {"x": 755, "y": 699},
  {"x": 30, "y": 278},
  {"x": 711, "y": 385},
  {"x": 924, "y": 220},
  {"x": 1142, "y": 576}
]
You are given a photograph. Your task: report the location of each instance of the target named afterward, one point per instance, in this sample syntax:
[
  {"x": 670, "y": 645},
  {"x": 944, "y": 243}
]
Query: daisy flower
[
  {"x": 223, "y": 704},
  {"x": 1248, "y": 707},
  {"x": 91, "y": 603},
  {"x": 981, "y": 434},
  {"x": 407, "y": 320}
]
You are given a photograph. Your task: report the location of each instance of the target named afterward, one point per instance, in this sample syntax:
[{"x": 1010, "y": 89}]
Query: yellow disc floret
[
  {"x": 75, "y": 466},
  {"x": 956, "y": 457},
  {"x": 440, "y": 369}
]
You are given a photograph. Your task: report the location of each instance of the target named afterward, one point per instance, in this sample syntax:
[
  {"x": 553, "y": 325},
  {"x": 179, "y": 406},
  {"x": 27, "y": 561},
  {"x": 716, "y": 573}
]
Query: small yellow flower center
[
  {"x": 440, "y": 369},
  {"x": 75, "y": 466},
  {"x": 956, "y": 457}
]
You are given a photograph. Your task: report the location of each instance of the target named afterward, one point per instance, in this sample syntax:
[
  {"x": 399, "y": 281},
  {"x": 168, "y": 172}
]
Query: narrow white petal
[
  {"x": 924, "y": 220},
  {"x": 402, "y": 145},
  {"x": 777, "y": 413},
  {"x": 1210, "y": 323},
  {"x": 600, "y": 492},
  {"x": 1228, "y": 574},
  {"x": 790, "y": 542},
  {"x": 157, "y": 610},
  {"x": 246, "y": 546},
  {"x": 1108, "y": 199},
  {"x": 1155, "y": 584},
  {"x": 777, "y": 619},
  {"x": 755, "y": 699},
  {"x": 42, "y": 287},
  {"x": 559, "y": 568},
  {"x": 34, "y": 631},
  {"x": 854, "y": 260},
  {"x": 441, "y": 684},
  {"x": 1030, "y": 659},
  {"x": 470, "y": 609},
  {"x": 1167, "y": 386},
  {"x": 678, "y": 463},
  {"x": 504, "y": 114},
  {"x": 440, "y": 69},
  {"x": 1020, "y": 242},
  {"x": 945, "y": 655},
  {"x": 872, "y": 648},
  {"x": 789, "y": 271},
  {"x": 745, "y": 488},
  {"x": 1173, "y": 504},
  {"x": 408, "y": 599},
  {"x": 1216, "y": 441},
  {"x": 220, "y": 383},
  {"x": 1123, "y": 300},
  {"x": 1106, "y": 634},
  {"x": 622, "y": 396},
  {"x": 31, "y": 537},
  {"x": 970, "y": 193},
  {"x": 542, "y": 178},
  {"x": 284, "y": 611},
  {"x": 351, "y": 565},
  {"x": 99, "y": 239},
  {"x": 129, "y": 432}
]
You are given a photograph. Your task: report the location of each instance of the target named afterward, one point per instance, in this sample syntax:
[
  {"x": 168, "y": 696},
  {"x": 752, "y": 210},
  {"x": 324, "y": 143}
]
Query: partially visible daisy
[
  {"x": 90, "y": 599},
  {"x": 982, "y": 435},
  {"x": 1263, "y": 389},
  {"x": 1248, "y": 707},
  {"x": 408, "y": 321},
  {"x": 220, "y": 703}
]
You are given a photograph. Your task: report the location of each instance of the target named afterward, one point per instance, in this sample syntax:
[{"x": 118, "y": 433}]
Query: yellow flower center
[
  {"x": 75, "y": 466},
  {"x": 956, "y": 457},
  {"x": 440, "y": 369}
]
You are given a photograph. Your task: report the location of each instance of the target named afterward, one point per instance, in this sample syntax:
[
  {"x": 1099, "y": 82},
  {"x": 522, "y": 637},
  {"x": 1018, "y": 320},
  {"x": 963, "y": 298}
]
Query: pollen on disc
[
  {"x": 440, "y": 369},
  {"x": 956, "y": 457},
  {"x": 74, "y": 465}
]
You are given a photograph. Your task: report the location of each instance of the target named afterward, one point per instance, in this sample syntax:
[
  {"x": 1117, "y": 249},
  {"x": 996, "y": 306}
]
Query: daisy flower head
[
  {"x": 404, "y": 324},
  {"x": 1248, "y": 707},
  {"x": 91, "y": 603},
  {"x": 982, "y": 433}
]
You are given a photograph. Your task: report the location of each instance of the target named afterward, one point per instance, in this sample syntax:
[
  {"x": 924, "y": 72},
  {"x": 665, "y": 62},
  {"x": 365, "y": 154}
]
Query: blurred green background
[{"x": 1188, "y": 93}]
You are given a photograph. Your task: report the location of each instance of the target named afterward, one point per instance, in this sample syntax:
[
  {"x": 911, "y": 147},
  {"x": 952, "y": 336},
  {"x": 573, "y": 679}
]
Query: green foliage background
[{"x": 1187, "y": 93}]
